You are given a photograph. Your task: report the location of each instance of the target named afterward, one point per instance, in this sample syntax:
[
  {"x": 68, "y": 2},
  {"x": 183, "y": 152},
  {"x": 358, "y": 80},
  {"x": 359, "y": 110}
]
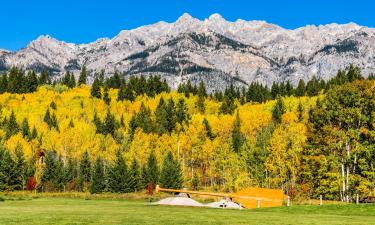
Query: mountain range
[{"x": 213, "y": 50}]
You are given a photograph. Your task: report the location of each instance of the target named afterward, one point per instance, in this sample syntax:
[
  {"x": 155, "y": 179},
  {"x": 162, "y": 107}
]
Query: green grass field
[{"x": 80, "y": 211}]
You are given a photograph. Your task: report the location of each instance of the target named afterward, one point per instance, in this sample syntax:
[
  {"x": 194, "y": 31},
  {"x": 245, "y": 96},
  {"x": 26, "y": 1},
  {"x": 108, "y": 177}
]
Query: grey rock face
[{"x": 214, "y": 50}]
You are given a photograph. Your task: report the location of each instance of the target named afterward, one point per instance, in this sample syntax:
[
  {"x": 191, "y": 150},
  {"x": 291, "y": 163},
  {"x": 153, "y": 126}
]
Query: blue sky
[{"x": 82, "y": 21}]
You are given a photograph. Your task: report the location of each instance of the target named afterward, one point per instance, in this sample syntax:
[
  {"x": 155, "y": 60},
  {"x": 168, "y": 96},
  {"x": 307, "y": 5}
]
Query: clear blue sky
[{"x": 82, "y": 21}]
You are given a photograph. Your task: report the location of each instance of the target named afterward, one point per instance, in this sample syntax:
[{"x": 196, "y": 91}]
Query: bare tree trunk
[
  {"x": 343, "y": 180},
  {"x": 341, "y": 194},
  {"x": 347, "y": 147},
  {"x": 347, "y": 183}
]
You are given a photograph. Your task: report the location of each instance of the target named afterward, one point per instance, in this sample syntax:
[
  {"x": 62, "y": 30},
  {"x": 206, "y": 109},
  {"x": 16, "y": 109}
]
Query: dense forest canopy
[{"x": 117, "y": 135}]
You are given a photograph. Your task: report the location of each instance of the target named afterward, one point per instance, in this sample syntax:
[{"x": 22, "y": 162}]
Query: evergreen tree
[
  {"x": 135, "y": 176},
  {"x": 4, "y": 83},
  {"x": 59, "y": 174},
  {"x": 71, "y": 123},
  {"x": 84, "y": 172},
  {"x": 114, "y": 81},
  {"x": 300, "y": 111},
  {"x": 31, "y": 82},
  {"x": 20, "y": 169},
  {"x": 118, "y": 178},
  {"x": 300, "y": 91},
  {"x": 171, "y": 174},
  {"x": 313, "y": 87},
  {"x": 47, "y": 117},
  {"x": 26, "y": 129},
  {"x": 66, "y": 79},
  {"x": 8, "y": 171},
  {"x": 182, "y": 112},
  {"x": 144, "y": 177},
  {"x": 109, "y": 125},
  {"x": 208, "y": 129},
  {"x": 122, "y": 122},
  {"x": 171, "y": 115},
  {"x": 72, "y": 81},
  {"x": 106, "y": 97},
  {"x": 126, "y": 93},
  {"x": 15, "y": 81},
  {"x": 371, "y": 76},
  {"x": 161, "y": 117},
  {"x": 202, "y": 90},
  {"x": 12, "y": 127},
  {"x": 278, "y": 110},
  {"x": 53, "y": 122},
  {"x": 289, "y": 88},
  {"x": 228, "y": 106},
  {"x": 142, "y": 120},
  {"x": 97, "y": 184},
  {"x": 34, "y": 133},
  {"x": 95, "y": 89},
  {"x": 354, "y": 73},
  {"x": 237, "y": 137},
  {"x": 195, "y": 182},
  {"x": 200, "y": 104},
  {"x": 152, "y": 170},
  {"x": 44, "y": 78},
  {"x": 98, "y": 124},
  {"x": 275, "y": 90},
  {"x": 82, "y": 76},
  {"x": 101, "y": 78},
  {"x": 53, "y": 105},
  {"x": 70, "y": 173},
  {"x": 50, "y": 172}
]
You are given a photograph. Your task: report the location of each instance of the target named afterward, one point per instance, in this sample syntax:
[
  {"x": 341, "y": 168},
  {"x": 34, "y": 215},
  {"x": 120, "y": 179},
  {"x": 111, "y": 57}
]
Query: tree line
[{"x": 49, "y": 171}]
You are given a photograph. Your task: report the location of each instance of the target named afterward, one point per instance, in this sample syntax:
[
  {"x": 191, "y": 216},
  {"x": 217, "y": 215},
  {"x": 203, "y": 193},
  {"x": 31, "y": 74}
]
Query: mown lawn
[{"x": 106, "y": 211}]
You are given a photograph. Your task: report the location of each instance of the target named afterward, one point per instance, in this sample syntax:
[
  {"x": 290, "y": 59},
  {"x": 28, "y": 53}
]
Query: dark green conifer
[
  {"x": 95, "y": 89},
  {"x": 97, "y": 184},
  {"x": 82, "y": 76},
  {"x": 278, "y": 110},
  {"x": 237, "y": 137},
  {"x": 171, "y": 174},
  {"x": 84, "y": 172},
  {"x": 152, "y": 170},
  {"x": 106, "y": 97}
]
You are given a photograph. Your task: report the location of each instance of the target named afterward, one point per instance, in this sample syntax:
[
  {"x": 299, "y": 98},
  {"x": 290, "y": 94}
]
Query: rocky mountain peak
[{"x": 214, "y": 50}]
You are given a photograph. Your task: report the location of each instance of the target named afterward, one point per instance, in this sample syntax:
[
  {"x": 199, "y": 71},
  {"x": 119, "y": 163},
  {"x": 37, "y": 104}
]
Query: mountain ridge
[{"x": 244, "y": 51}]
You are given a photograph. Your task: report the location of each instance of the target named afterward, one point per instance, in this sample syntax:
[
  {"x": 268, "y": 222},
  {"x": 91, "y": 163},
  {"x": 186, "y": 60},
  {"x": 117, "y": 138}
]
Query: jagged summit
[
  {"x": 216, "y": 17},
  {"x": 214, "y": 50},
  {"x": 185, "y": 17}
]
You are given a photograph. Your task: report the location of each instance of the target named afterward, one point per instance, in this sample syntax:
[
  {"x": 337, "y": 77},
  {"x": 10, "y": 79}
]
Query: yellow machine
[{"x": 248, "y": 198}]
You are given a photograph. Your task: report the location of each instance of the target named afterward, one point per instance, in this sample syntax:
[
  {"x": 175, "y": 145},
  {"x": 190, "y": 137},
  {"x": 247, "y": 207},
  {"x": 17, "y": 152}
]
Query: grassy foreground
[{"x": 107, "y": 211}]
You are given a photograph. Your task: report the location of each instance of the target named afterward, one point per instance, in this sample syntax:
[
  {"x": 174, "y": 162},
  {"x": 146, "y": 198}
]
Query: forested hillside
[{"x": 117, "y": 135}]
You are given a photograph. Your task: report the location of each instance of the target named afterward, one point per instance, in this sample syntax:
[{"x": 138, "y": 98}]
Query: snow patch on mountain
[{"x": 214, "y": 50}]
